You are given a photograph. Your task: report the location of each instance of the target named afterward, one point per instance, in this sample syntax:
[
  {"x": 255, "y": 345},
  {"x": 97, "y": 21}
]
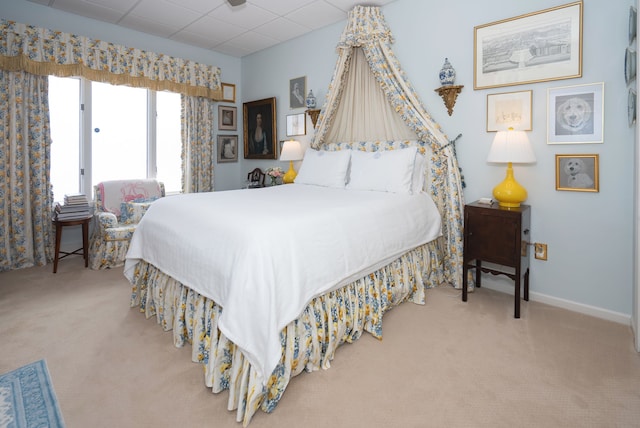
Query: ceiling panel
[{"x": 214, "y": 24}]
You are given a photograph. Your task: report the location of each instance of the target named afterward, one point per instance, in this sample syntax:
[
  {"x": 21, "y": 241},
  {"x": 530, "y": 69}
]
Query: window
[{"x": 106, "y": 132}]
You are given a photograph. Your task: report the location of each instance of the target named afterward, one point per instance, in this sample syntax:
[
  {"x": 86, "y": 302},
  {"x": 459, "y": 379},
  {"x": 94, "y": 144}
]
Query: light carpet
[{"x": 27, "y": 398}]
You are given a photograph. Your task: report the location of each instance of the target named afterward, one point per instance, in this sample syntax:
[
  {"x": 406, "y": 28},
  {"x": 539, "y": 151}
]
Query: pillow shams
[
  {"x": 419, "y": 171},
  {"x": 383, "y": 171},
  {"x": 324, "y": 168}
]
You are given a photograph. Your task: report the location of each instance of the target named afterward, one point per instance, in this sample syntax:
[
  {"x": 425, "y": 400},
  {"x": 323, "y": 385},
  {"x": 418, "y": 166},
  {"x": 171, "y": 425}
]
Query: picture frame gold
[
  {"x": 509, "y": 110},
  {"x": 227, "y": 148},
  {"x": 228, "y": 92},
  {"x": 535, "y": 47},
  {"x": 578, "y": 172},
  {"x": 260, "y": 119},
  {"x": 227, "y": 118}
]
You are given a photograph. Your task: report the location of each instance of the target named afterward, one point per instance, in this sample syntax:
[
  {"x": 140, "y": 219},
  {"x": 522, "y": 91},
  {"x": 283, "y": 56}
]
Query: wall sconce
[{"x": 448, "y": 91}]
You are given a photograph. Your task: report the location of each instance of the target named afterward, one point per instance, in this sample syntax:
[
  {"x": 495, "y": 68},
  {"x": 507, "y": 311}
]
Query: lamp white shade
[
  {"x": 291, "y": 151},
  {"x": 511, "y": 146}
]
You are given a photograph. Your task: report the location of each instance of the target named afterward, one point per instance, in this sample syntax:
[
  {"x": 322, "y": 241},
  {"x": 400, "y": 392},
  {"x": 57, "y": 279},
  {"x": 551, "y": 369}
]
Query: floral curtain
[
  {"x": 43, "y": 52},
  {"x": 367, "y": 29},
  {"x": 25, "y": 190},
  {"x": 198, "y": 151}
]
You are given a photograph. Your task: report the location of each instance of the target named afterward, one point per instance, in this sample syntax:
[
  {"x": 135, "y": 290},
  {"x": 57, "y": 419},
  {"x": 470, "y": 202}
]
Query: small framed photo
[
  {"x": 575, "y": 114},
  {"x": 227, "y": 118},
  {"x": 509, "y": 110},
  {"x": 260, "y": 134},
  {"x": 227, "y": 148},
  {"x": 229, "y": 92},
  {"x": 297, "y": 91},
  {"x": 578, "y": 173},
  {"x": 296, "y": 124}
]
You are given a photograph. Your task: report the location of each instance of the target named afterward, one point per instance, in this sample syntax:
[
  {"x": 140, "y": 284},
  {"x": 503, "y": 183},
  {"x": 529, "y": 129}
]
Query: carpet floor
[{"x": 443, "y": 364}]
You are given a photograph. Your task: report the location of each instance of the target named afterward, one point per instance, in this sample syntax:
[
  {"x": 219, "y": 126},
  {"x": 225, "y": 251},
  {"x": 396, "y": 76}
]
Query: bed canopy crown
[{"x": 371, "y": 99}]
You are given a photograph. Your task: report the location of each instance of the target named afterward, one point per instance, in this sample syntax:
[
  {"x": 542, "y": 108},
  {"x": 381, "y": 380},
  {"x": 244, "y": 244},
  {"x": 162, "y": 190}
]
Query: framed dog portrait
[
  {"x": 575, "y": 114},
  {"x": 260, "y": 129},
  {"x": 227, "y": 148},
  {"x": 227, "y": 118},
  {"x": 578, "y": 173}
]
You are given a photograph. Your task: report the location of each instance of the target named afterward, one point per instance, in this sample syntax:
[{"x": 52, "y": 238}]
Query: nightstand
[{"x": 500, "y": 236}]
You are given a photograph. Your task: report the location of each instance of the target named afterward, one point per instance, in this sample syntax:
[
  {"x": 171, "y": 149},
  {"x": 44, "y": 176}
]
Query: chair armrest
[{"x": 107, "y": 220}]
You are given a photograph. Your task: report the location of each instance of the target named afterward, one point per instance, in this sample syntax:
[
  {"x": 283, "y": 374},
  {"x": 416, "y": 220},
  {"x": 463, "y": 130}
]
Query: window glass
[
  {"x": 168, "y": 141},
  {"x": 118, "y": 132},
  {"x": 64, "y": 115}
]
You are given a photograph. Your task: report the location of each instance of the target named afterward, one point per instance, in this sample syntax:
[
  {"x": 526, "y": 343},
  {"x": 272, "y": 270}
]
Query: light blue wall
[{"x": 588, "y": 234}]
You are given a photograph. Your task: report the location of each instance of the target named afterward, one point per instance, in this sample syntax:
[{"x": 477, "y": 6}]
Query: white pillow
[
  {"x": 383, "y": 171},
  {"x": 324, "y": 168},
  {"x": 419, "y": 170}
]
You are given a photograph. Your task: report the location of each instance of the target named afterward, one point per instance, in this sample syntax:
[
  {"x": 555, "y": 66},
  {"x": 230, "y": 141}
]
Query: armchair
[{"x": 119, "y": 207}]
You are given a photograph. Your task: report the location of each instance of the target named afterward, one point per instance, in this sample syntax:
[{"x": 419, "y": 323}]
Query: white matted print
[
  {"x": 509, "y": 110},
  {"x": 575, "y": 114}
]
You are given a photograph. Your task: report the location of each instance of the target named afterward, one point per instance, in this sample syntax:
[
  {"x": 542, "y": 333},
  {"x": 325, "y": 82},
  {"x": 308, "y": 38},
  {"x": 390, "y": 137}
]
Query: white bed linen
[{"x": 263, "y": 254}]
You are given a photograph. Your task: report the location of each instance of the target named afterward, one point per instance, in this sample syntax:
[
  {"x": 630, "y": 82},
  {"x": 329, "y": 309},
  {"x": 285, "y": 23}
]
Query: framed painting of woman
[{"x": 260, "y": 129}]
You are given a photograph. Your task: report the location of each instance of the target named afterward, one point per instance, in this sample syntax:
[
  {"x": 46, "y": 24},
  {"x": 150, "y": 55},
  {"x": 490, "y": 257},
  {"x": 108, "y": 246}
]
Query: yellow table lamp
[
  {"x": 291, "y": 151},
  {"x": 510, "y": 147}
]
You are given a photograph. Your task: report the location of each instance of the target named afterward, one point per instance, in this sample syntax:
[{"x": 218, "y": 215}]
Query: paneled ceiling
[{"x": 214, "y": 24}]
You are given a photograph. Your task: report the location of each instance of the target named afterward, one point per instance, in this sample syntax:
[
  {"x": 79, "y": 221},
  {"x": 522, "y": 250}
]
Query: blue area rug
[{"x": 27, "y": 398}]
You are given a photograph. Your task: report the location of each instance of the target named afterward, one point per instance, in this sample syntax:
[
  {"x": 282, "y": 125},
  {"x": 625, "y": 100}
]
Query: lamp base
[
  {"x": 509, "y": 193},
  {"x": 290, "y": 175}
]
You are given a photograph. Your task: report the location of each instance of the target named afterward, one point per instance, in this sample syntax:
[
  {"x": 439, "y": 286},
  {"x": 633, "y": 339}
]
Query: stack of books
[{"x": 75, "y": 207}]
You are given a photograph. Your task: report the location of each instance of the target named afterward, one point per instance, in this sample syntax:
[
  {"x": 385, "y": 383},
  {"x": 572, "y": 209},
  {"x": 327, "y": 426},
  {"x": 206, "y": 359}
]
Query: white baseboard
[{"x": 562, "y": 303}]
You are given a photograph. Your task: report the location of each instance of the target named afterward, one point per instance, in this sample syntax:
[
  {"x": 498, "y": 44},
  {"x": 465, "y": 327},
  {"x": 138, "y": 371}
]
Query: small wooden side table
[
  {"x": 501, "y": 236},
  {"x": 59, "y": 224}
]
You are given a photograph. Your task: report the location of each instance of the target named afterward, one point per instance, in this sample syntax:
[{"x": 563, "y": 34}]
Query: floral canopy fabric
[{"x": 366, "y": 29}]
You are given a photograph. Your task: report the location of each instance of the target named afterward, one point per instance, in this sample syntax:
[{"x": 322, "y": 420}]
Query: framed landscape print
[
  {"x": 260, "y": 129},
  {"x": 509, "y": 110},
  {"x": 578, "y": 173},
  {"x": 536, "y": 47},
  {"x": 227, "y": 118},
  {"x": 575, "y": 114},
  {"x": 227, "y": 148}
]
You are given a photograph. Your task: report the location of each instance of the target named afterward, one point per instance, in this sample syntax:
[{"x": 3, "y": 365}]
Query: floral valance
[
  {"x": 47, "y": 52},
  {"x": 364, "y": 24}
]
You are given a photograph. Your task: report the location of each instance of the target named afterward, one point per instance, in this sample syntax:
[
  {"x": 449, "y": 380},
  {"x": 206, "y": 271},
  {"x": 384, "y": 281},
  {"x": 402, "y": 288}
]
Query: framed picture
[
  {"x": 509, "y": 110},
  {"x": 260, "y": 129},
  {"x": 297, "y": 91},
  {"x": 227, "y": 118},
  {"x": 575, "y": 114},
  {"x": 536, "y": 47},
  {"x": 296, "y": 124},
  {"x": 227, "y": 148},
  {"x": 229, "y": 92},
  {"x": 578, "y": 173}
]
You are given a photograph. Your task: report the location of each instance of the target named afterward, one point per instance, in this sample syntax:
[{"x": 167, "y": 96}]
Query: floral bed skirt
[{"x": 308, "y": 343}]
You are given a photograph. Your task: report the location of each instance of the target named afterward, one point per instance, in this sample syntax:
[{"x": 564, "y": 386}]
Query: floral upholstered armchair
[{"x": 119, "y": 207}]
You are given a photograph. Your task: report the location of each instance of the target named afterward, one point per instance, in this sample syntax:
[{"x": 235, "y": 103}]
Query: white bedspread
[{"x": 263, "y": 254}]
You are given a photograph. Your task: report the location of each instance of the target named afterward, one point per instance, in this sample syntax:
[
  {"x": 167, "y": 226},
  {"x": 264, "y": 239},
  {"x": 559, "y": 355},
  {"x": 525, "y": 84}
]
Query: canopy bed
[{"x": 263, "y": 294}]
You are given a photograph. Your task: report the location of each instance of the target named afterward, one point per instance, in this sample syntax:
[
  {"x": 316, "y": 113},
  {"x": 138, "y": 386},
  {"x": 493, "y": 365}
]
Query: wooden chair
[{"x": 256, "y": 178}]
